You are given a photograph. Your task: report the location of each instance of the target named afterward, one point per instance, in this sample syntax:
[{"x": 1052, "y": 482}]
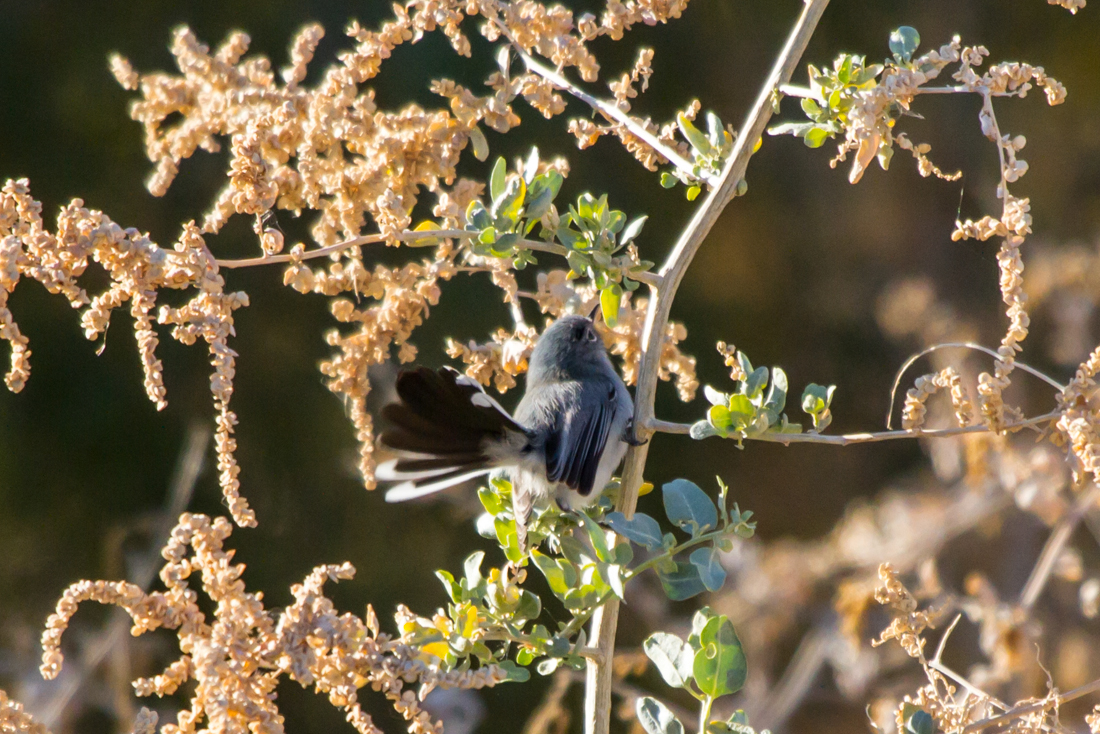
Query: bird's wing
[{"x": 576, "y": 443}]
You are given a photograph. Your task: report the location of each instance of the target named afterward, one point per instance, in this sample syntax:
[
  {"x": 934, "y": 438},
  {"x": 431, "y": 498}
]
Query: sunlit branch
[
  {"x": 651, "y": 279},
  {"x": 848, "y": 439}
]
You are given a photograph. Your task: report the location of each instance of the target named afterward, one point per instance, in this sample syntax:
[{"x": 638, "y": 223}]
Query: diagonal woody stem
[{"x": 597, "y": 705}]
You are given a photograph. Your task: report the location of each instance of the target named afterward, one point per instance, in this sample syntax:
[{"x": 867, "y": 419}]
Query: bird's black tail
[{"x": 445, "y": 428}]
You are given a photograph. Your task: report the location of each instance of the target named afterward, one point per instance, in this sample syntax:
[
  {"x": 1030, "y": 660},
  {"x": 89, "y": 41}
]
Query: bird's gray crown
[{"x": 569, "y": 349}]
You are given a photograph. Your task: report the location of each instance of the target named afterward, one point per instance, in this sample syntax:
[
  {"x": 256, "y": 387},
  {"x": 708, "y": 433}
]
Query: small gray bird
[{"x": 568, "y": 435}]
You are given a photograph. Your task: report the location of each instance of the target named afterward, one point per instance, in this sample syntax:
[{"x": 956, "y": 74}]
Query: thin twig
[
  {"x": 1054, "y": 545},
  {"x": 797, "y": 678},
  {"x": 1030, "y": 708},
  {"x": 959, "y": 345},
  {"x": 597, "y": 705},
  {"x": 936, "y": 663},
  {"x": 651, "y": 279},
  {"x": 610, "y": 111},
  {"x": 848, "y": 439}
]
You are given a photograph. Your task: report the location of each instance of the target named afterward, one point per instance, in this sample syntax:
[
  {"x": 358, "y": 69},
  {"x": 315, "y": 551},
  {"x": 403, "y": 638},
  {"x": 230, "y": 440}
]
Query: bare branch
[
  {"x": 597, "y": 706},
  {"x": 849, "y": 439},
  {"x": 1030, "y": 708},
  {"x": 611, "y": 112},
  {"x": 651, "y": 279}
]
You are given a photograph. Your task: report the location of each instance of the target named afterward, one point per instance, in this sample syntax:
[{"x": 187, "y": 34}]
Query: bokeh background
[{"x": 793, "y": 274}]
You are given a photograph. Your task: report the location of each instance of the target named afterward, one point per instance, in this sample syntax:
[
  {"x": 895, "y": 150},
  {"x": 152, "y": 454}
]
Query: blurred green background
[{"x": 790, "y": 274}]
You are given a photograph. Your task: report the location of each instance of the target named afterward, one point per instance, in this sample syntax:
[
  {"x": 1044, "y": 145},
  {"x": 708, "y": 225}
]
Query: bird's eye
[{"x": 591, "y": 335}]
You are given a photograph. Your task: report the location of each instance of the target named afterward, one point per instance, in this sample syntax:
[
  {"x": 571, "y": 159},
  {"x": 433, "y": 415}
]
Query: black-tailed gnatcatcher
[{"x": 568, "y": 435}]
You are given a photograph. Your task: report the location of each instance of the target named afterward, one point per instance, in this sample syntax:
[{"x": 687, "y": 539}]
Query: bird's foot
[{"x": 631, "y": 438}]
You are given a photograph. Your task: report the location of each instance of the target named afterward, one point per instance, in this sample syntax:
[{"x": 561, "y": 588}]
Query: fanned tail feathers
[{"x": 443, "y": 428}]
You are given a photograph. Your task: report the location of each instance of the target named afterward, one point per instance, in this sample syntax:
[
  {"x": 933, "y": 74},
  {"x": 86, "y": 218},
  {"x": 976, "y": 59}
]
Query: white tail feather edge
[{"x": 410, "y": 490}]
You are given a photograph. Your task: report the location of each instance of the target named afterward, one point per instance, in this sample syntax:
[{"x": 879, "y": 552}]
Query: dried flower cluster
[
  {"x": 1071, "y": 5},
  {"x": 137, "y": 268},
  {"x": 14, "y": 720},
  {"x": 925, "y": 387},
  {"x": 326, "y": 149},
  {"x": 236, "y": 658},
  {"x": 506, "y": 355}
]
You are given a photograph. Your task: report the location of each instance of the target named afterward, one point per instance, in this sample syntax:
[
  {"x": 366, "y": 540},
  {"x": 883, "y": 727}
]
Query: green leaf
[
  {"x": 715, "y": 131},
  {"x": 719, "y": 417},
  {"x": 530, "y": 606},
  {"x": 498, "y": 179},
  {"x": 531, "y": 167},
  {"x": 453, "y": 590},
  {"x": 668, "y": 180},
  {"x": 481, "y": 145},
  {"x": 623, "y": 553},
  {"x": 816, "y": 136},
  {"x": 641, "y": 529},
  {"x": 504, "y": 244},
  {"x": 538, "y": 203},
  {"x": 673, "y": 658},
  {"x": 613, "y": 574},
  {"x": 615, "y": 221},
  {"x": 693, "y": 192},
  {"x": 555, "y": 574},
  {"x": 610, "y": 299},
  {"x": 507, "y": 206},
  {"x": 698, "y": 622},
  {"x": 632, "y": 230},
  {"x": 904, "y": 41},
  {"x": 693, "y": 135},
  {"x": 714, "y": 397},
  {"x": 710, "y": 567},
  {"x": 920, "y": 723},
  {"x": 811, "y": 107},
  {"x": 509, "y": 542},
  {"x": 681, "y": 581},
  {"x": 719, "y": 665},
  {"x": 777, "y": 395},
  {"x": 703, "y": 429},
  {"x": 797, "y": 129},
  {"x": 742, "y": 411},
  {"x": 587, "y": 206},
  {"x": 885, "y": 153},
  {"x": 596, "y": 537},
  {"x": 817, "y": 398},
  {"x": 754, "y": 383},
  {"x": 472, "y": 566},
  {"x": 656, "y": 718},
  {"x": 490, "y": 500},
  {"x": 557, "y": 647},
  {"x": 571, "y": 238},
  {"x": 426, "y": 226},
  {"x": 689, "y": 507},
  {"x": 477, "y": 216},
  {"x": 525, "y": 656},
  {"x": 515, "y": 673},
  {"x": 548, "y": 666}
]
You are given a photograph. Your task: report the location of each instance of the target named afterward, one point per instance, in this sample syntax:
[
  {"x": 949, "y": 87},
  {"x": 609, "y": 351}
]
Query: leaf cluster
[
  {"x": 709, "y": 664},
  {"x": 756, "y": 406},
  {"x": 591, "y": 232},
  {"x": 709, "y": 151}
]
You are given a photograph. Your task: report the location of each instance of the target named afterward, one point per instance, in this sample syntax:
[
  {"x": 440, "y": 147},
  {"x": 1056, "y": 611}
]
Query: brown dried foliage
[{"x": 235, "y": 659}]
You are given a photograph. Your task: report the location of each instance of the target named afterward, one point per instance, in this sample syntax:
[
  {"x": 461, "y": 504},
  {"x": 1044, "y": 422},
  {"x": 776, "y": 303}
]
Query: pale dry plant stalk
[{"x": 237, "y": 658}]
